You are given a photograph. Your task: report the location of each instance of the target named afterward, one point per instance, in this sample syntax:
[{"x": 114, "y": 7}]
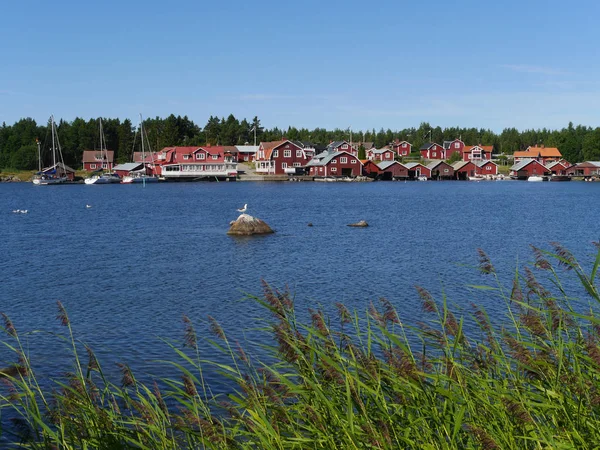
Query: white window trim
[
  {"x": 284, "y": 165},
  {"x": 275, "y": 153},
  {"x": 92, "y": 166},
  {"x": 343, "y": 160},
  {"x": 334, "y": 169},
  {"x": 353, "y": 161},
  {"x": 287, "y": 153},
  {"x": 215, "y": 156},
  {"x": 298, "y": 153}
]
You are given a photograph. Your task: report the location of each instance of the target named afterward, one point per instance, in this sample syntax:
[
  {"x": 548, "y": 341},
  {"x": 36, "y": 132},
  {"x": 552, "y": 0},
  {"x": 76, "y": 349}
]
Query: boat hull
[
  {"x": 49, "y": 181},
  {"x": 103, "y": 180},
  {"x": 137, "y": 180}
]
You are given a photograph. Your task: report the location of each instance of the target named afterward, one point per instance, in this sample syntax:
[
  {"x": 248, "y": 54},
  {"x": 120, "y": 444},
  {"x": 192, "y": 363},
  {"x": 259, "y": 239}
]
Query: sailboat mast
[
  {"x": 37, "y": 141},
  {"x": 53, "y": 144}
]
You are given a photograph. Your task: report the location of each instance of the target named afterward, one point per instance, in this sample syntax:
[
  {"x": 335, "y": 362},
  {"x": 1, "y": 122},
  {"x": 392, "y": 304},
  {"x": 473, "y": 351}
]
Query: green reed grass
[{"x": 528, "y": 380}]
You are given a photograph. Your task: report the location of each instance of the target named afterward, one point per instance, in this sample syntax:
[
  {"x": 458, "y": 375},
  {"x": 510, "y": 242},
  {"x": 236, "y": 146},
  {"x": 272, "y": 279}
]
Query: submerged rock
[
  {"x": 246, "y": 225},
  {"x": 361, "y": 224}
]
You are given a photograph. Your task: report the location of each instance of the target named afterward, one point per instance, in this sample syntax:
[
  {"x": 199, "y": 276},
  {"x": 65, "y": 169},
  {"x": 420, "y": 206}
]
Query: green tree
[{"x": 26, "y": 158}]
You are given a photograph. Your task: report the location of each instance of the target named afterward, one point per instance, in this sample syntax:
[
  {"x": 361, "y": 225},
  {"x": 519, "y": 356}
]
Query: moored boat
[
  {"x": 535, "y": 178},
  {"x": 57, "y": 173}
]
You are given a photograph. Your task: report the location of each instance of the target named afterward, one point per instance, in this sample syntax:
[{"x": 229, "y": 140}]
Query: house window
[
  {"x": 298, "y": 153},
  {"x": 215, "y": 156},
  {"x": 334, "y": 161},
  {"x": 297, "y": 164},
  {"x": 186, "y": 157},
  {"x": 200, "y": 156},
  {"x": 456, "y": 145},
  {"x": 287, "y": 146},
  {"x": 404, "y": 145},
  {"x": 275, "y": 153},
  {"x": 353, "y": 161},
  {"x": 104, "y": 166},
  {"x": 343, "y": 160},
  {"x": 92, "y": 166},
  {"x": 445, "y": 170},
  {"x": 287, "y": 153},
  {"x": 284, "y": 165},
  {"x": 345, "y": 147},
  {"x": 334, "y": 169}
]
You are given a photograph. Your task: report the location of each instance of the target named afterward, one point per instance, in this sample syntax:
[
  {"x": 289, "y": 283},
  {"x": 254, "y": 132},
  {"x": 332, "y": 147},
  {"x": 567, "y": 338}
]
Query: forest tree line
[{"x": 18, "y": 148}]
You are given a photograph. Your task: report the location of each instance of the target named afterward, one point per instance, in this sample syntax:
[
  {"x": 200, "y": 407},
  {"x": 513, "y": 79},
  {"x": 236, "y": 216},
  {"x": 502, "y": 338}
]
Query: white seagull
[
  {"x": 243, "y": 210},
  {"x": 16, "y": 211},
  {"x": 23, "y": 211},
  {"x": 88, "y": 206}
]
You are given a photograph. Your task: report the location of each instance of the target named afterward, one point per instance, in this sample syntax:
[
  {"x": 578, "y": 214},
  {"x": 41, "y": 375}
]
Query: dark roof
[{"x": 426, "y": 146}]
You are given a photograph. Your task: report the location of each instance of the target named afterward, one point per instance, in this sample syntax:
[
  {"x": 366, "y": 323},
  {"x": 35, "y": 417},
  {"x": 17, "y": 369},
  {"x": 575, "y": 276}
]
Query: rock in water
[
  {"x": 246, "y": 225},
  {"x": 362, "y": 223}
]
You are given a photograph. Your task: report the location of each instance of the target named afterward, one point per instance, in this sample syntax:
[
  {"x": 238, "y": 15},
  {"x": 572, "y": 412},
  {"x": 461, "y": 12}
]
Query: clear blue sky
[{"x": 359, "y": 64}]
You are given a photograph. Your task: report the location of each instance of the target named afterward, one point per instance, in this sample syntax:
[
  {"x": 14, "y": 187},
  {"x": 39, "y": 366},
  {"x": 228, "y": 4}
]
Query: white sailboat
[
  {"x": 108, "y": 177},
  {"x": 141, "y": 176},
  {"x": 55, "y": 174}
]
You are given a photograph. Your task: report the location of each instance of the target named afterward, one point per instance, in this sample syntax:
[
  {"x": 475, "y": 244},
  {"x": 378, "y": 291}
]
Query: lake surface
[{"x": 128, "y": 268}]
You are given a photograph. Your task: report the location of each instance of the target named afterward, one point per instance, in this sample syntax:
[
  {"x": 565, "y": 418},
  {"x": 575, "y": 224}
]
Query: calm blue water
[{"x": 130, "y": 266}]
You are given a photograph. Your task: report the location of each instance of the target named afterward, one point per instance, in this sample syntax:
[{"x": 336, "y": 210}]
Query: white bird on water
[
  {"x": 88, "y": 206},
  {"x": 23, "y": 211},
  {"x": 243, "y": 210},
  {"x": 16, "y": 211}
]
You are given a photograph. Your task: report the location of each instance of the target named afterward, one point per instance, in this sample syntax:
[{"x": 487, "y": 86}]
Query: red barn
[
  {"x": 402, "y": 148},
  {"x": 98, "y": 160},
  {"x": 527, "y": 168},
  {"x": 431, "y": 150},
  {"x": 338, "y": 164},
  {"x": 477, "y": 152},
  {"x": 279, "y": 157}
]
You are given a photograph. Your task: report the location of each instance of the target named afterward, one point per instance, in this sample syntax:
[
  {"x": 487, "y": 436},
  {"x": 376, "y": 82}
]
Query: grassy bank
[{"x": 353, "y": 381}]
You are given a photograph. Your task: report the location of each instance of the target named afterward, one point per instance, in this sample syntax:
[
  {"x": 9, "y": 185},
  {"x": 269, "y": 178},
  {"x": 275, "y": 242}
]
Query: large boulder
[
  {"x": 361, "y": 224},
  {"x": 246, "y": 225}
]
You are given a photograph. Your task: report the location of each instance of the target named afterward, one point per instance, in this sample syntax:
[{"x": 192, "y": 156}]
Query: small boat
[
  {"x": 141, "y": 176},
  {"x": 51, "y": 175},
  {"x": 560, "y": 178},
  {"x": 535, "y": 178},
  {"x": 103, "y": 178},
  {"x": 477, "y": 178},
  {"x": 422, "y": 178}
]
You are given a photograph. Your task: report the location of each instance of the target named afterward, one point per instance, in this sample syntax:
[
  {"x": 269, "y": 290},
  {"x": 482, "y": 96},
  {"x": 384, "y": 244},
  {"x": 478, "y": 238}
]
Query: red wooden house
[
  {"x": 416, "y": 170},
  {"x": 279, "y": 157},
  {"x": 194, "y": 162},
  {"x": 477, "y": 152},
  {"x": 383, "y": 154},
  {"x": 402, "y": 148},
  {"x": 370, "y": 168},
  {"x": 389, "y": 170},
  {"x": 584, "y": 169},
  {"x": 451, "y": 147},
  {"x": 527, "y": 168},
  {"x": 558, "y": 167},
  {"x": 487, "y": 167},
  {"x": 431, "y": 150},
  {"x": 338, "y": 164},
  {"x": 441, "y": 170},
  {"x": 98, "y": 160},
  {"x": 542, "y": 154},
  {"x": 342, "y": 146},
  {"x": 465, "y": 169}
]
